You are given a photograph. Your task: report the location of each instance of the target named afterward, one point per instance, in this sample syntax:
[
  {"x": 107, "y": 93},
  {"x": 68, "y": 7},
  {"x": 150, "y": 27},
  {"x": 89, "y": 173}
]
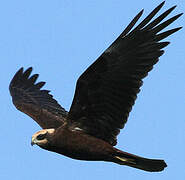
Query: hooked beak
[{"x": 33, "y": 141}]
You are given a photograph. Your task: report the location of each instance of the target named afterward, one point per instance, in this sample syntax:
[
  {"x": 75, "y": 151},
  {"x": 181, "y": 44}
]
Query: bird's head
[{"x": 41, "y": 138}]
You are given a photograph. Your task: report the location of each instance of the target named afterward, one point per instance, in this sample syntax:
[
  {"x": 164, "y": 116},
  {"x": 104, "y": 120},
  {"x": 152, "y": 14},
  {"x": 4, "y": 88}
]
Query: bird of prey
[{"x": 104, "y": 96}]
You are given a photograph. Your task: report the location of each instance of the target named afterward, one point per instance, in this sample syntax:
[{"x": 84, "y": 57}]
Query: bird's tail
[{"x": 152, "y": 165}]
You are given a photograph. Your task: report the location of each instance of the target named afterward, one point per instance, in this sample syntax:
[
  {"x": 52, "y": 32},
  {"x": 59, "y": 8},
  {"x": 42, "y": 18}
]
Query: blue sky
[{"x": 60, "y": 39}]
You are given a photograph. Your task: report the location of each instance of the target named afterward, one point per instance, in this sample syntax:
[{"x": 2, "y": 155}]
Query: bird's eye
[{"x": 41, "y": 136}]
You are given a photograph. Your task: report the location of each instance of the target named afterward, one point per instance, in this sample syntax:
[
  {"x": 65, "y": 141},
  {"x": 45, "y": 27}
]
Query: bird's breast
[{"x": 78, "y": 145}]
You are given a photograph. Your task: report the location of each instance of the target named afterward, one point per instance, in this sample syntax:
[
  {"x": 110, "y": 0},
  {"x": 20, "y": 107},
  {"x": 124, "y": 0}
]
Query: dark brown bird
[{"x": 104, "y": 96}]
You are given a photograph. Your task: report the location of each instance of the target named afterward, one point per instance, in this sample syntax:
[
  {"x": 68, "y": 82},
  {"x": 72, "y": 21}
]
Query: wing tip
[
  {"x": 163, "y": 3},
  {"x": 39, "y": 85},
  {"x": 160, "y": 5},
  {"x": 30, "y": 69},
  {"x": 23, "y": 77},
  {"x": 180, "y": 14}
]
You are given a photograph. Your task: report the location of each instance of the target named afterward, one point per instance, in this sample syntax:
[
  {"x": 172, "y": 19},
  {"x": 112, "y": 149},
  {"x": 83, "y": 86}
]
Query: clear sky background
[{"x": 60, "y": 39}]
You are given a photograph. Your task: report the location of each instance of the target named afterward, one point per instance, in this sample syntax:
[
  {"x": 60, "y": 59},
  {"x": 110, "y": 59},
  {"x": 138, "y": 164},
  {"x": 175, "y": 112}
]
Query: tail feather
[{"x": 152, "y": 165}]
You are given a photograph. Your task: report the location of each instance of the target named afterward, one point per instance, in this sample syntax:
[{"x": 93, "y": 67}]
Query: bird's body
[
  {"x": 78, "y": 145},
  {"x": 104, "y": 96}
]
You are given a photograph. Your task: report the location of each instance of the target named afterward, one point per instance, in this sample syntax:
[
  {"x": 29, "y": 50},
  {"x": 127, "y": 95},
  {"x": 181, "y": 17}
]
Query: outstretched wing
[
  {"x": 28, "y": 97},
  {"x": 106, "y": 91}
]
